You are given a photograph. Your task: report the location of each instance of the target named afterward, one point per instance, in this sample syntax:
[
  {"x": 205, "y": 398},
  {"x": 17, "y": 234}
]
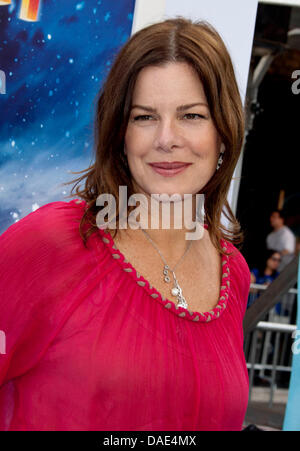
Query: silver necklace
[{"x": 176, "y": 290}]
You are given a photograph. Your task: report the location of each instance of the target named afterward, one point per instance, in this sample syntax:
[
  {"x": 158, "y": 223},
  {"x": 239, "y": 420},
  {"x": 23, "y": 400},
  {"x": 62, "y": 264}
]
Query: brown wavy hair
[{"x": 173, "y": 40}]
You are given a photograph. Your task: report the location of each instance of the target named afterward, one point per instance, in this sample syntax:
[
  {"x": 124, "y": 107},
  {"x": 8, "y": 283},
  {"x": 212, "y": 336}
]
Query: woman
[
  {"x": 97, "y": 338},
  {"x": 265, "y": 274},
  {"x": 269, "y": 270}
]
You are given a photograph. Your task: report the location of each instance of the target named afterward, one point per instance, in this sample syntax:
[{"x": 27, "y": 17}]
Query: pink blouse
[{"x": 91, "y": 345}]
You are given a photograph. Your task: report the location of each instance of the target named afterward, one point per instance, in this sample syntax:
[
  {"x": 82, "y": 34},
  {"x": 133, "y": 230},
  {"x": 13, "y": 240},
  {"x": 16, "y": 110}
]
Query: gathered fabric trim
[{"x": 170, "y": 305}]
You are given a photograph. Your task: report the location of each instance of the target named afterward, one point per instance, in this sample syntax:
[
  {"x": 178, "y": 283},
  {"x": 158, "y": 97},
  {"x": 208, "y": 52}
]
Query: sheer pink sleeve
[{"x": 41, "y": 258}]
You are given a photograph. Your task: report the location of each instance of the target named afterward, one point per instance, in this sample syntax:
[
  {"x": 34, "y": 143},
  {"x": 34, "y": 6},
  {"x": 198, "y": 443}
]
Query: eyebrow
[{"x": 179, "y": 108}]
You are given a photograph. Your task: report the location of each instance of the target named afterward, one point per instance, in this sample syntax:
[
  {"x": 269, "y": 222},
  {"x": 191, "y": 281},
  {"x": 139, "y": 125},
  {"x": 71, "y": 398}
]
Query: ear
[
  {"x": 125, "y": 153},
  {"x": 222, "y": 149}
]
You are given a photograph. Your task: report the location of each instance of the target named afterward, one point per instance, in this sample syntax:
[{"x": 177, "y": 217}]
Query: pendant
[
  {"x": 176, "y": 290},
  {"x": 182, "y": 303},
  {"x": 166, "y": 273}
]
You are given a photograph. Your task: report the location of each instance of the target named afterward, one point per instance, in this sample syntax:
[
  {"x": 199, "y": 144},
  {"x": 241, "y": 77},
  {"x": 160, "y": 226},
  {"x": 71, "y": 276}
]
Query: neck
[
  {"x": 172, "y": 243},
  {"x": 278, "y": 227},
  {"x": 170, "y": 225}
]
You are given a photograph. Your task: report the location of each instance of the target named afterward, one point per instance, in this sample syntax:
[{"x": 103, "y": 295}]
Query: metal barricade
[{"x": 266, "y": 348}]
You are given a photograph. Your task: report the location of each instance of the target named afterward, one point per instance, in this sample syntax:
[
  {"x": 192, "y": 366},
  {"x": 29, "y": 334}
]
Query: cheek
[
  {"x": 206, "y": 153},
  {"x": 135, "y": 144},
  {"x": 207, "y": 145}
]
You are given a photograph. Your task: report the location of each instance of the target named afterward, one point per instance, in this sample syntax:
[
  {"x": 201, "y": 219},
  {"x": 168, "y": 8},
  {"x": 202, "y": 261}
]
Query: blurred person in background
[
  {"x": 281, "y": 239},
  {"x": 297, "y": 251},
  {"x": 269, "y": 270},
  {"x": 265, "y": 273}
]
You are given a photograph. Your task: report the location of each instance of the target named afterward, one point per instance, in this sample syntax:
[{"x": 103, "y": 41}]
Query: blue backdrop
[{"x": 54, "y": 67}]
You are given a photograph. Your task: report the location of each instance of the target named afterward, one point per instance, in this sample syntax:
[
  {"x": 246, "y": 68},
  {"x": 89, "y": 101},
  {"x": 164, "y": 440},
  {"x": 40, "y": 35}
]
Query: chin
[{"x": 169, "y": 192}]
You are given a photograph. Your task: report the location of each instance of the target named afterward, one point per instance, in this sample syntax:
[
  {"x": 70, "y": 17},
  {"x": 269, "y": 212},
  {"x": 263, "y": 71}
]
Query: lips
[
  {"x": 169, "y": 168},
  {"x": 170, "y": 165}
]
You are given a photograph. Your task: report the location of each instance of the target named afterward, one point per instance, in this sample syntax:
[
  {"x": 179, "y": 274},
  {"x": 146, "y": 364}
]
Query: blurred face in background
[
  {"x": 171, "y": 142},
  {"x": 274, "y": 261},
  {"x": 276, "y": 221}
]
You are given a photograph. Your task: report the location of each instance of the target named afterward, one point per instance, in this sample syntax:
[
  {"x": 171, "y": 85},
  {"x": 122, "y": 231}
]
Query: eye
[
  {"x": 144, "y": 117},
  {"x": 194, "y": 116}
]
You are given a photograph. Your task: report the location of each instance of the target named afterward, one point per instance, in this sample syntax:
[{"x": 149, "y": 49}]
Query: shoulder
[
  {"x": 51, "y": 213},
  {"x": 236, "y": 258},
  {"x": 240, "y": 276},
  {"x": 51, "y": 221},
  {"x": 43, "y": 238},
  {"x": 238, "y": 262},
  {"x": 287, "y": 232}
]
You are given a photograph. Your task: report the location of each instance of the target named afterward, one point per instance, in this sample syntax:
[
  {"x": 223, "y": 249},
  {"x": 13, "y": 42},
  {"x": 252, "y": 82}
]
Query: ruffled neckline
[{"x": 170, "y": 305}]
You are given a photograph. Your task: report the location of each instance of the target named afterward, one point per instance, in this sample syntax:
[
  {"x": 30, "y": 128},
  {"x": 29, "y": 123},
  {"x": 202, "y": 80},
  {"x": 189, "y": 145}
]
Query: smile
[{"x": 169, "y": 169}]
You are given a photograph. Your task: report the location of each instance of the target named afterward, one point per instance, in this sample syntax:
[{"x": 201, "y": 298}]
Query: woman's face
[
  {"x": 171, "y": 142},
  {"x": 274, "y": 261}
]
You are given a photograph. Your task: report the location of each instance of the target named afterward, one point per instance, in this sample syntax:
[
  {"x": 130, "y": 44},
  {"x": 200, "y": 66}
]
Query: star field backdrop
[{"x": 54, "y": 55}]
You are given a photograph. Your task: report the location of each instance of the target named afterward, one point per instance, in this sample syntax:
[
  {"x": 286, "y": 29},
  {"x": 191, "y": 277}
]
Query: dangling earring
[{"x": 220, "y": 160}]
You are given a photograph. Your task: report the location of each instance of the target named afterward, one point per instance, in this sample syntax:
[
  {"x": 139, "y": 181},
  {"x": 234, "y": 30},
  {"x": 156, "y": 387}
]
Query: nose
[{"x": 167, "y": 137}]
